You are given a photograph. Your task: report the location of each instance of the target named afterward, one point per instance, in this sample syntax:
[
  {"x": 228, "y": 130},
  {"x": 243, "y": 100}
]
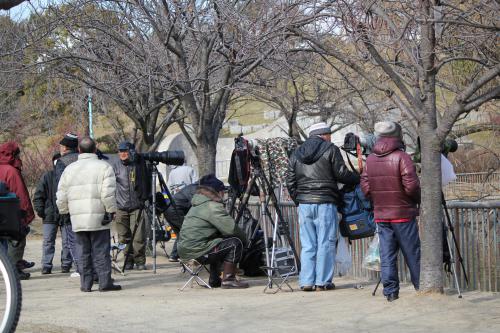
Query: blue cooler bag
[{"x": 357, "y": 216}]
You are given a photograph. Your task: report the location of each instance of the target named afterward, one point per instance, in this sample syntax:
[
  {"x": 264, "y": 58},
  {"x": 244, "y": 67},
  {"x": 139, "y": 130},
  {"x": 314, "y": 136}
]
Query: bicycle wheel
[{"x": 10, "y": 295}]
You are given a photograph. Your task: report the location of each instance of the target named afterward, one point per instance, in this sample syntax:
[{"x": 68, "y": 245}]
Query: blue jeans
[
  {"x": 318, "y": 239},
  {"x": 395, "y": 236},
  {"x": 49, "y": 241},
  {"x": 69, "y": 242}
]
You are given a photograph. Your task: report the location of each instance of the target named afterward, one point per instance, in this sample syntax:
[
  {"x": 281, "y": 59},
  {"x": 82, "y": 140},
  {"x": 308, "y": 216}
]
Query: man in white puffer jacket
[{"x": 87, "y": 192}]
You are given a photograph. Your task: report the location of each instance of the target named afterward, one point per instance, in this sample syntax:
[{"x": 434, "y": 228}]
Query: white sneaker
[{"x": 75, "y": 275}]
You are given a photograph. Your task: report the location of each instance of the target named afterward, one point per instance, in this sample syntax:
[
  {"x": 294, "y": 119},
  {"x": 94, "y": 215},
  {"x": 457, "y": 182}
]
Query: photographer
[
  {"x": 128, "y": 205},
  {"x": 10, "y": 174},
  {"x": 314, "y": 171},
  {"x": 389, "y": 179},
  {"x": 209, "y": 234}
]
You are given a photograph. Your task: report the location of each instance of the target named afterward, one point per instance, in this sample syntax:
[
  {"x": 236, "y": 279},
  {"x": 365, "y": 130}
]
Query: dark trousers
[
  {"x": 49, "y": 242},
  {"x": 229, "y": 250},
  {"x": 125, "y": 224},
  {"x": 94, "y": 250},
  {"x": 395, "y": 236}
]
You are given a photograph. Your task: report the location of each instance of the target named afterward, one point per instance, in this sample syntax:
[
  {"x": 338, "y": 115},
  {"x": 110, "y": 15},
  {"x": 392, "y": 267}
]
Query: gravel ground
[{"x": 152, "y": 302}]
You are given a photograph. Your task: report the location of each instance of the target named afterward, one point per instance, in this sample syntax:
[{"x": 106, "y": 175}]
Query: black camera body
[{"x": 352, "y": 140}]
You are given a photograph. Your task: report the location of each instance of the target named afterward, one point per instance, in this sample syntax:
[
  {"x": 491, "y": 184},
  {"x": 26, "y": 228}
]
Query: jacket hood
[
  {"x": 312, "y": 149},
  {"x": 386, "y": 145},
  {"x": 8, "y": 152},
  {"x": 204, "y": 194}
]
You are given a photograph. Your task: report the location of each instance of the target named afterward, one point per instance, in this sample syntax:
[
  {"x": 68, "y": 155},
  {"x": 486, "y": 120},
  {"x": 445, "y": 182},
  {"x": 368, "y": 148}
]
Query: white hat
[
  {"x": 319, "y": 129},
  {"x": 387, "y": 128}
]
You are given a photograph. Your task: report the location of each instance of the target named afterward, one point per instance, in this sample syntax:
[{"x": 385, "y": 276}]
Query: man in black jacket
[
  {"x": 128, "y": 205},
  {"x": 314, "y": 171},
  {"x": 68, "y": 147},
  {"x": 45, "y": 207}
]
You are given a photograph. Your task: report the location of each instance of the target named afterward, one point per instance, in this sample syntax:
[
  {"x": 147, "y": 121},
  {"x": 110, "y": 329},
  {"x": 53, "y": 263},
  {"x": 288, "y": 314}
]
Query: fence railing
[
  {"x": 474, "y": 186},
  {"x": 477, "y": 230}
]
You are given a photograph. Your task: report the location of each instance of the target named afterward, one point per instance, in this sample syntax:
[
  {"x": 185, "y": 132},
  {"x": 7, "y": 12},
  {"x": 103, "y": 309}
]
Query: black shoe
[
  {"x": 215, "y": 283},
  {"x": 329, "y": 286},
  {"x": 46, "y": 270},
  {"x": 308, "y": 288},
  {"x": 23, "y": 264},
  {"x": 392, "y": 297},
  {"x": 65, "y": 269},
  {"x": 23, "y": 275},
  {"x": 85, "y": 290},
  {"x": 113, "y": 287}
]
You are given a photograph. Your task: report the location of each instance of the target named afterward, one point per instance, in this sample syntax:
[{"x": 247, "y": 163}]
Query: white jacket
[{"x": 86, "y": 191}]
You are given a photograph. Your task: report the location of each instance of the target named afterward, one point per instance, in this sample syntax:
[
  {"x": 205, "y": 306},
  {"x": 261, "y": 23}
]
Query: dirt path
[{"x": 150, "y": 303}]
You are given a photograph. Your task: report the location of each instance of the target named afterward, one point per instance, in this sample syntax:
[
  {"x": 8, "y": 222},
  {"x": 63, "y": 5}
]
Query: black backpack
[{"x": 10, "y": 214}]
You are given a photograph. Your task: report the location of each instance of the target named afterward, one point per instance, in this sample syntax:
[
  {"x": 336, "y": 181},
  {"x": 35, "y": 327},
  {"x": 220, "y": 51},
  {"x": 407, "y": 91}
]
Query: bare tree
[{"x": 416, "y": 50}]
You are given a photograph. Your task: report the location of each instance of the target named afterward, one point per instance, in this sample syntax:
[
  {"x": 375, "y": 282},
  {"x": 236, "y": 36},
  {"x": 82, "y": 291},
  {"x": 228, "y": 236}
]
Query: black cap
[
  {"x": 70, "y": 140},
  {"x": 213, "y": 182}
]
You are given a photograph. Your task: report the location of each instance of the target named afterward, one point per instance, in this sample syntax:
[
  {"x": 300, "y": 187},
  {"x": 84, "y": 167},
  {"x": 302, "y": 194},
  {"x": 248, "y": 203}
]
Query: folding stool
[{"x": 194, "y": 268}]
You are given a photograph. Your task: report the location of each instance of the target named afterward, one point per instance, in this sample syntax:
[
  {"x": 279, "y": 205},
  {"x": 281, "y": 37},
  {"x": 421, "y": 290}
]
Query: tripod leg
[
  {"x": 376, "y": 287},
  {"x": 452, "y": 266},
  {"x": 452, "y": 230}
]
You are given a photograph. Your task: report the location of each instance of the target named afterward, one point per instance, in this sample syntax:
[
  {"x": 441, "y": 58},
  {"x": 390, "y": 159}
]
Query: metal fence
[
  {"x": 474, "y": 186},
  {"x": 477, "y": 229}
]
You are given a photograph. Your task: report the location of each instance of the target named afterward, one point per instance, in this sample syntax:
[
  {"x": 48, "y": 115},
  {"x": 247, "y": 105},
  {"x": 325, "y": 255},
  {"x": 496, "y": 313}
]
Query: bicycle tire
[{"x": 9, "y": 320}]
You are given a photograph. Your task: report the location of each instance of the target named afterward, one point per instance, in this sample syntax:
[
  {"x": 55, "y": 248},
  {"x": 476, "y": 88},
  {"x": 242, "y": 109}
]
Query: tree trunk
[
  {"x": 206, "y": 151},
  {"x": 431, "y": 220}
]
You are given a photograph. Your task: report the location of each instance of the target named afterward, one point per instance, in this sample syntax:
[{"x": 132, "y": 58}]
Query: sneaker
[
  {"x": 85, "y": 290},
  {"x": 75, "y": 275},
  {"x": 46, "y": 270},
  {"x": 140, "y": 267},
  {"x": 129, "y": 266},
  {"x": 308, "y": 288},
  {"x": 329, "y": 286},
  {"x": 173, "y": 259},
  {"x": 65, "y": 269},
  {"x": 113, "y": 287}
]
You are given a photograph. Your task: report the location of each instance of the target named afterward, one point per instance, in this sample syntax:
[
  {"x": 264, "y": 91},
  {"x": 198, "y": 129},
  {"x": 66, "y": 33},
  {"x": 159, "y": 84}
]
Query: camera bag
[{"x": 357, "y": 216}]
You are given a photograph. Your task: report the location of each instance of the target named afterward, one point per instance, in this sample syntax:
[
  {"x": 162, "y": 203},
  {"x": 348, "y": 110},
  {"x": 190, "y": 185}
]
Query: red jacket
[
  {"x": 390, "y": 180},
  {"x": 10, "y": 173}
]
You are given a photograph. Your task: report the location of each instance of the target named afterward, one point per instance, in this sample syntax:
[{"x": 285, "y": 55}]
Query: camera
[
  {"x": 448, "y": 146},
  {"x": 366, "y": 142},
  {"x": 173, "y": 157}
]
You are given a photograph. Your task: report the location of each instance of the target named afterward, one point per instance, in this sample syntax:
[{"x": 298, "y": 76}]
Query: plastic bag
[
  {"x": 343, "y": 260},
  {"x": 371, "y": 261},
  {"x": 447, "y": 173}
]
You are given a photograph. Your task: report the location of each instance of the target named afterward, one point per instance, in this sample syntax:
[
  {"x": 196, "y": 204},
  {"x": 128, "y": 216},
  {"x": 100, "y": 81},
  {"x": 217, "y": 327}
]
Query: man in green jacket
[{"x": 210, "y": 235}]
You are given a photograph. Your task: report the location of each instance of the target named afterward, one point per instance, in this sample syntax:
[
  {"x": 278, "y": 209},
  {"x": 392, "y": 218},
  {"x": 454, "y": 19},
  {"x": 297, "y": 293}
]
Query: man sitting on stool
[{"x": 210, "y": 235}]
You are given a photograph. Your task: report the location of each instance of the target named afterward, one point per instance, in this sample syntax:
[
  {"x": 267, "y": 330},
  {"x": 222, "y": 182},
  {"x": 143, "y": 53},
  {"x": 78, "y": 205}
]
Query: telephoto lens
[{"x": 174, "y": 157}]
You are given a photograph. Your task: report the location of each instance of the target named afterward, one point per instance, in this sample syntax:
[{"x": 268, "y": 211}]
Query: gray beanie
[
  {"x": 319, "y": 129},
  {"x": 388, "y": 129}
]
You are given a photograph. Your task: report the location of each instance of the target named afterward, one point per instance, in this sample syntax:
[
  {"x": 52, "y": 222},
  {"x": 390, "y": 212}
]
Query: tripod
[
  {"x": 258, "y": 178},
  {"x": 450, "y": 237}
]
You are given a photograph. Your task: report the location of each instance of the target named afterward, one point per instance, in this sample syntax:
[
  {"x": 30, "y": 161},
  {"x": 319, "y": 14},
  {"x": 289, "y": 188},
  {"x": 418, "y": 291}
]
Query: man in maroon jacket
[
  {"x": 390, "y": 181},
  {"x": 10, "y": 173}
]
